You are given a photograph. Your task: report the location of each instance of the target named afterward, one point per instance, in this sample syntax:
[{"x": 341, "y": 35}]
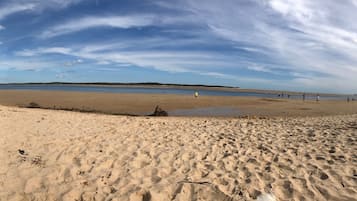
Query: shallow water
[
  {"x": 206, "y": 111},
  {"x": 149, "y": 90}
]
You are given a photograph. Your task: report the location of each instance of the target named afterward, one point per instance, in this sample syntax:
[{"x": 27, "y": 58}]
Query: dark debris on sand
[{"x": 159, "y": 112}]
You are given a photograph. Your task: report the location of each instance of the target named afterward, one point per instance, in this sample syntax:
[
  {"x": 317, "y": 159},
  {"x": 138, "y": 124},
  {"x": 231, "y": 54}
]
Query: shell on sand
[{"x": 266, "y": 197}]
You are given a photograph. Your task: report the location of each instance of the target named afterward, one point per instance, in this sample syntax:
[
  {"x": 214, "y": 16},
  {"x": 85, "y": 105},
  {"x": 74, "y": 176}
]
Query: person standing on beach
[
  {"x": 303, "y": 96},
  {"x": 196, "y": 94},
  {"x": 317, "y": 98}
]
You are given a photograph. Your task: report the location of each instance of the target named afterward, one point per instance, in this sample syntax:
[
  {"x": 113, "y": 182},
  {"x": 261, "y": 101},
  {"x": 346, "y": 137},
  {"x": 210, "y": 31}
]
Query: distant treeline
[{"x": 120, "y": 84}]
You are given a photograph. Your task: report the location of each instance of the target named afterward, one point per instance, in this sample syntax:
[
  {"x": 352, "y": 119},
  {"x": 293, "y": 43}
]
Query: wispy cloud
[
  {"x": 307, "y": 44},
  {"x": 40, "y": 51},
  {"x": 115, "y": 21},
  {"x": 9, "y": 9},
  {"x": 166, "y": 60},
  {"x": 298, "y": 35},
  {"x": 135, "y": 53},
  {"x": 123, "y": 22},
  {"x": 74, "y": 62},
  {"x": 117, "y": 54},
  {"x": 54, "y": 4},
  {"x": 24, "y": 64}
]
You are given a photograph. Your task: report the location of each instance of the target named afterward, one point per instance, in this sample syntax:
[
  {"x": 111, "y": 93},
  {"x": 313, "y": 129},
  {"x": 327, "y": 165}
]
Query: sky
[{"x": 299, "y": 45}]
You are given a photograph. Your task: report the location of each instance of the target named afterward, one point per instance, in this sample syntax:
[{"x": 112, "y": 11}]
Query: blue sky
[{"x": 298, "y": 45}]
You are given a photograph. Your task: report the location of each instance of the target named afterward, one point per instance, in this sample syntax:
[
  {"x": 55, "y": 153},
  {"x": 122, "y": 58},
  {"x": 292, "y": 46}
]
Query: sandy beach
[
  {"x": 143, "y": 104},
  {"x": 62, "y": 155},
  {"x": 178, "y": 100}
]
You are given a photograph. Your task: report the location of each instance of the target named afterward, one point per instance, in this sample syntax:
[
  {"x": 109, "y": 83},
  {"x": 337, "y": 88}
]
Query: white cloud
[
  {"x": 299, "y": 9},
  {"x": 1, "y": 27}
]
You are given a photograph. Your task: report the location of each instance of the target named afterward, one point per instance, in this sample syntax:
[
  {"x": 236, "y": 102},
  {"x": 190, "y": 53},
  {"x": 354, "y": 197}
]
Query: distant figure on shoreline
[
  {"x": 303, "y": 96},
  {"x": 288, "y": 96},
  {"x": 196, "y": 94},
  {"x": 348, "y": 99},
  {"x": 317, "y": 98}
]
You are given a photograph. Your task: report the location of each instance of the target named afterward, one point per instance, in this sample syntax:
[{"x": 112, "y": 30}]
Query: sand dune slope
[{"x": 57, "y": 155}]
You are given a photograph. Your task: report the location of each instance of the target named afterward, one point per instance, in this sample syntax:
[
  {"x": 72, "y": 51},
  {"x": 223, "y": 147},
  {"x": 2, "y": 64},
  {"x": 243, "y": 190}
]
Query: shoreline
[{"x": 144, "y": 104}]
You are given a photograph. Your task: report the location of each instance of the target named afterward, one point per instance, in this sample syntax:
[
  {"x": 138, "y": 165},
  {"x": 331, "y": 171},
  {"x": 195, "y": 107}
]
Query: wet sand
[
  {"x": 62, "y": 155},
  {"x": 143, "y": 104}
]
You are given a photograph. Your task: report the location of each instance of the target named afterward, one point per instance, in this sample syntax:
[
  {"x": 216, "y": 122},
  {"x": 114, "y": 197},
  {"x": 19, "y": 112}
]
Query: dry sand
[
  {"x": 141, "y": 104},
  {"x": 61, "y": 155}
]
